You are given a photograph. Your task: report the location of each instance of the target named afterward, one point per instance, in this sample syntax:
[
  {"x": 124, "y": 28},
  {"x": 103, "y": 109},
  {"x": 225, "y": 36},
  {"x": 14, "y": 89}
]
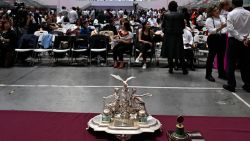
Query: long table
[{"x": 53, "y": 126}]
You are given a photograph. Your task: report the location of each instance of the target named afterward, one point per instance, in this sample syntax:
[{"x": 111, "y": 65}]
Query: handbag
[{"x": 64, "y": 45}]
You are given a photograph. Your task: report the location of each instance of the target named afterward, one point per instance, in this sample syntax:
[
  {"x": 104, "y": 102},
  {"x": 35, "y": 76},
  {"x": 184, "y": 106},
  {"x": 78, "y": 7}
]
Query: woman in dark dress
[
  {"x": 173, "y": 25},
  {"x": 145, "y": 42},
  {"x": 8, "y": 41}
]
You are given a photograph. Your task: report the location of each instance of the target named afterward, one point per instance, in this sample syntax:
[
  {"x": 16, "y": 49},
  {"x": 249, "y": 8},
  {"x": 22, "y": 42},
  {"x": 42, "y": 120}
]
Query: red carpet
[{"x": 50, "y": 126}]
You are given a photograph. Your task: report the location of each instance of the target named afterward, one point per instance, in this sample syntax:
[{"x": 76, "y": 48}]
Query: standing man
[
  {"x": 173, "y": 25},
  {"x": 64, "y": 12},
  {"x": 73, "y": 16},
  {"x": 238, "y": 23}
]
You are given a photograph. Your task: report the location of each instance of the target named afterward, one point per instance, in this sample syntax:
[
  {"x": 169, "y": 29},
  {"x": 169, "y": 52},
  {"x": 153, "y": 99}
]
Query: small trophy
[
  {"x": 142, "y": 116},
  {"x": 179, "y": 134},
  {"x": 106, "y": 116}
]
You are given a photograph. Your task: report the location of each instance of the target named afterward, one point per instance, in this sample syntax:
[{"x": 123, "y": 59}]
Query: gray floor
[{"x": 80, "y": 89}]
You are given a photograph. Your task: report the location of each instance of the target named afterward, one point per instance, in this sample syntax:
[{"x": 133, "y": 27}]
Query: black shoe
[
  {"x": 229, "y": 88},
  {"x": 223, "y": 77},
  {"x": 210, "y": 78},
  {"x": 246, "y": 88},
  {"x": 170, "y": 70},
  {"x": 185, "y": 72}
]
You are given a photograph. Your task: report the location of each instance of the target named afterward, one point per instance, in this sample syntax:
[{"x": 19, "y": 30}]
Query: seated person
[
  {"x": 145, "y": 42},
  {"x": 111, "y": 27},
  {"x": 8, "y": 40},
  {"x": 123, "y": 42},
  {"x": 85, "y": 29},
  {"x": 75, "y": 29}
]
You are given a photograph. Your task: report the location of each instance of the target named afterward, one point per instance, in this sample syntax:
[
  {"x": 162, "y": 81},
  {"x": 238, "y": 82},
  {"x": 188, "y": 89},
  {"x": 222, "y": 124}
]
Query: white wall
[
  {"x": 161, "y": 3},
  {"x": 67, "y": 3},
  {"x": 81, "y": 3}
]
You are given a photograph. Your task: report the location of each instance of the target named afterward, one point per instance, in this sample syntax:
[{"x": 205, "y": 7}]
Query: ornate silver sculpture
[
  {"x": 124, "y": 113},
  {"x": 124, "y": 104}
]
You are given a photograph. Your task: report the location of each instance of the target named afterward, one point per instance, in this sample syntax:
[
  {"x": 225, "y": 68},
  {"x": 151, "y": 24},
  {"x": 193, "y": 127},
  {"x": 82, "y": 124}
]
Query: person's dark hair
[
  {"x": 83, "y": 24},
  {"x": 127, "y": 26},
  {"x": 210, "y": 10},
  {"x": 73, "y": 8},
  {"x": 63, "y": 7},
  {"x": 221, "y": 5},
  {"x": 237, "y": 3},
  {"x": 172, "y": 6}
]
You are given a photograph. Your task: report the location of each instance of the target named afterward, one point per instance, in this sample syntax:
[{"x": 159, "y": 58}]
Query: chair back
[
  {"x": 28, "y": 41},
  {"x": 62, "y": 42},
  {"x": 57, "y": 33},
  {"x": 200, "y": 39},
  {"x": 107, "y": 33},
  {"x": 98, "y": 42},
  {"x": 81, "y": 42}
]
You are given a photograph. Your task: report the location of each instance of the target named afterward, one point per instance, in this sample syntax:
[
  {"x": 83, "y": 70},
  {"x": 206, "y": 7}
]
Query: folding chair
[
  {"x": 80, "y": 47},
  {"x": 201, "y": 50},
  {"x": 27, "y": 44},
  {"x": 62, "y": 47},
  {"x": 44, "y": 45},
  {"x": 98, "y": 45}
]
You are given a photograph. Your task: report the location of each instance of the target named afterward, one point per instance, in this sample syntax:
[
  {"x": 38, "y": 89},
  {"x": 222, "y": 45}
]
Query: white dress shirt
[
  {"x": 59, "y": 19},
  {"x": 153, "y": 22},
  {"x": 187, "y": 38},
  {"x": 73, "y": 16},
  {"x": 238, "y": 23},
  {"x": 213, "y": 24},
  {"x": 224, "y": 13},
  {"x": 201, "y": 20}
]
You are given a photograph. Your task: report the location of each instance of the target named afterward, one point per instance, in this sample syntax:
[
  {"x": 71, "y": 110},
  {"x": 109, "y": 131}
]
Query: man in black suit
[{"x": 173, "y": 25}]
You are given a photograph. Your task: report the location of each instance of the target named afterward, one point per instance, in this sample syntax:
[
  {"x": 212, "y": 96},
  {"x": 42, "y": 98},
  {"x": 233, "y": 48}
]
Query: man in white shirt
[
  {"x": 73, "y": 16},
  {"x": 152, "y": 21},
  {"x": 64, "y": 11},
  {"x": 59, "y": 18},
  {"x": 188, "y": 42},
  {"x": 113, "y": 12},
  {"x": 120, "y": 13},
  {"x": 143, "y": 19},
  {"x": 238, "y": 23}
]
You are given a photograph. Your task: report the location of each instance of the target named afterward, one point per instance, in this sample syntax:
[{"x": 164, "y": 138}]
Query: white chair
[
  {"x": 27, "y": 44},
  {"x": 41, "y": 49},
  {"x": 62, "y": 47}
]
